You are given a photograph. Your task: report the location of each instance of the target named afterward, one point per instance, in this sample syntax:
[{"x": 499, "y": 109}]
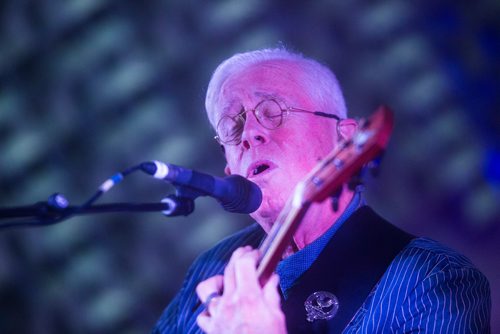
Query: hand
[{"x": 243, "y": 306}]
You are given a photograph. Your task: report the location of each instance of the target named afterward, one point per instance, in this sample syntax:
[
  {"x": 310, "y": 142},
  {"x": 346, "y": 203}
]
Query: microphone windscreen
[{"x": 245, "y": 197}]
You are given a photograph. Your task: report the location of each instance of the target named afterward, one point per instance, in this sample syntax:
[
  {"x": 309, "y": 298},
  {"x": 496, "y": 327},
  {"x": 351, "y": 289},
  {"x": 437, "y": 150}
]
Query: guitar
[{"x": 325, "y": 180}]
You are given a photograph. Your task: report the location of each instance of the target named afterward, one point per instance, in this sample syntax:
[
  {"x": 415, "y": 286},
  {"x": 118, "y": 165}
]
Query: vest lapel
[{"x": 350, "y": 266}]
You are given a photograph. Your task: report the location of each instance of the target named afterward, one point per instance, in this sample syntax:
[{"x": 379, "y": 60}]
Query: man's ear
[
  {"x": 346, "y": 128},
  {"x": 227, "y": 171}
]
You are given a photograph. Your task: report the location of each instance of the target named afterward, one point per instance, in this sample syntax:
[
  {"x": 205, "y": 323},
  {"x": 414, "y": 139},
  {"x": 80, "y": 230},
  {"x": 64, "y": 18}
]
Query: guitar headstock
[{"x": 347, "y": 159}]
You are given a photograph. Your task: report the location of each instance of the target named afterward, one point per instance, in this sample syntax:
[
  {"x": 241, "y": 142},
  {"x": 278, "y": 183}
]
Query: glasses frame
[{"x": 285, "y": 111}]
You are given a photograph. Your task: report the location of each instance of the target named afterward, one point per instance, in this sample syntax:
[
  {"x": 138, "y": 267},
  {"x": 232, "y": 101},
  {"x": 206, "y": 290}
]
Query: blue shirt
[
  {"x": 291, "y": 268},
  {"x": 427, "y": 288}
]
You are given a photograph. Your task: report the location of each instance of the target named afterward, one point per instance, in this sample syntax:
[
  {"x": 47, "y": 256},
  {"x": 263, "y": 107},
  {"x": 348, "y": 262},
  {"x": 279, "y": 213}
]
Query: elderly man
[{"x": 276, "y": 114}]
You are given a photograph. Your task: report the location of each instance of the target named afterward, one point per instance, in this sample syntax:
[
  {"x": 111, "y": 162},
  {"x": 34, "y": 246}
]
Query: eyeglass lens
[{"x": 267, "y": 112}]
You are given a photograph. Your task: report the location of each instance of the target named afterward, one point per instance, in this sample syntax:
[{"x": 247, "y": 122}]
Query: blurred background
[{"x": 91, "y": 87}]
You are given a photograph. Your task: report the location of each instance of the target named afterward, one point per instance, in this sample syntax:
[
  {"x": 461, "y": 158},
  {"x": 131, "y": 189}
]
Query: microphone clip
[
  {"x": 182, "y": 203},
  {"x": 178, "y": 206}
]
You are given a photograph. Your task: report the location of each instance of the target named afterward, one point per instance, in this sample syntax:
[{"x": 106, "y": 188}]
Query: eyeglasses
[{"x": 269, "y": 113}]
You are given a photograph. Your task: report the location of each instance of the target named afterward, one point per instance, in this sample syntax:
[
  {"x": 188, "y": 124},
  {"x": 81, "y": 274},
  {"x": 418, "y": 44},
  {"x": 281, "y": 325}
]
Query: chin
[
  {"x": 264, "y": 219},
  {"x": 267, "y": 214}
]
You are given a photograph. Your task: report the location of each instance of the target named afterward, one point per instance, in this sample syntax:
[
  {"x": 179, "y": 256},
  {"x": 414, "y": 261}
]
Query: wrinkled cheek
[{"x": 232, "y": 158}]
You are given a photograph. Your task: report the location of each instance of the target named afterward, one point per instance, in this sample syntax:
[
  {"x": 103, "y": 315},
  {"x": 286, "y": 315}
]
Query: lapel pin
[{"x": 321, "y": 305}]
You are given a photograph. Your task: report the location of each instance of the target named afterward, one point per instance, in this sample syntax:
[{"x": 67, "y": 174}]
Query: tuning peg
[
  {"x": 335, "y": 199},
  {"x": 374, "y": 165},
  {"x": 355, "y": 181}
]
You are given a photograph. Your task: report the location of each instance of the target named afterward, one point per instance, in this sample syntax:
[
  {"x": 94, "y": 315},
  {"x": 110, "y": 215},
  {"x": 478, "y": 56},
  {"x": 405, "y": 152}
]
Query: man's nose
[{"x": 253, "y": 133}]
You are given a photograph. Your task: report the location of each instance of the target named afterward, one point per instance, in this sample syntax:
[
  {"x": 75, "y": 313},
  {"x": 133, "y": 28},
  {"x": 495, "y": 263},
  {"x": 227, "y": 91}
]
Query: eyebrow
[
  {"x": 267, "y": 95},
  {"x": 227, "y": 108}
]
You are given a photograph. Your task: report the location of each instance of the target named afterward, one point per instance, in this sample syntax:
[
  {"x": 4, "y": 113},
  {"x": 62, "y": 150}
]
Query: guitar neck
[
  {"x": 323, "y": 181},
  {"x": 278, "y": 239},
  {"x": 281, "y": 234}
]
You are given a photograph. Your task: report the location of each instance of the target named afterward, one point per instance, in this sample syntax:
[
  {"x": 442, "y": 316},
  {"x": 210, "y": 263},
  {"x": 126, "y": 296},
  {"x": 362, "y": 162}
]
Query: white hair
[{"x": 318, "y": 80}]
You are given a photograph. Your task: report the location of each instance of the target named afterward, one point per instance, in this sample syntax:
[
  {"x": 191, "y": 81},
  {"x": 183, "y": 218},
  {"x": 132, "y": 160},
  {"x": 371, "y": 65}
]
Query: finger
[
  {"x": 229, "y": 271},
  {"x": 208, "y": 286},
  {"x": 271, "y": 292},
  {"x": 246, "y": 272},
  {"x": 204, "y": 321},
  {"x": 212, "y": 305}
]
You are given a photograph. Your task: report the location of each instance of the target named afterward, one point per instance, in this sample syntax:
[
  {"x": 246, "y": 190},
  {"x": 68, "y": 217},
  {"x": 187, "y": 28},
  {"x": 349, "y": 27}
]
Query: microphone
[{"x": 234, "y": 192}]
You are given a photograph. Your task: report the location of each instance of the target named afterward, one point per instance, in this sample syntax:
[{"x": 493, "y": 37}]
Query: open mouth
[{"x": 259, "y": 168}]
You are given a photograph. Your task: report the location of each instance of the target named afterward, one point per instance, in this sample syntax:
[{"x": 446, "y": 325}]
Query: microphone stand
[{"x": 56, "y": 210}]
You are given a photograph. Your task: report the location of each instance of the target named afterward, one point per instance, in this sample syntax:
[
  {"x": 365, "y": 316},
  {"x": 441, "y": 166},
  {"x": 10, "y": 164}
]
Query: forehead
[{"x": 270, "y": 79}]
